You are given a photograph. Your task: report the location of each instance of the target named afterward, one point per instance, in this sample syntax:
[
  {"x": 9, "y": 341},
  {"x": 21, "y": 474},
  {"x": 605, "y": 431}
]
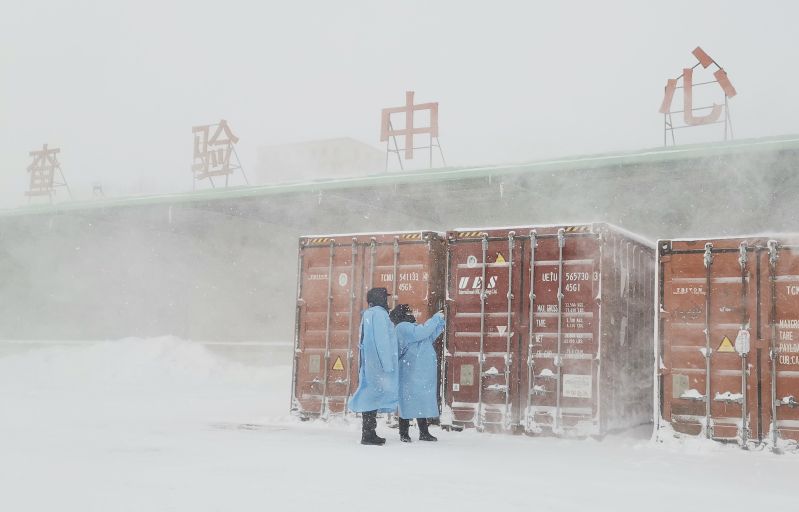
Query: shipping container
[
  {"x": 334, "y": 274},
  {"x": 549, "y": 329},
  {"x": 728, "y": 339}
]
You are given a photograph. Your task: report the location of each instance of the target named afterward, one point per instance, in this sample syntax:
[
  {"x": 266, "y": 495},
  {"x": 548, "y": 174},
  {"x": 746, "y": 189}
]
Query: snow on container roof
[
  {"x": 765, "y": 235},
  {"x": 376, "y": 233},
  {"x": 629, "y": 234}
]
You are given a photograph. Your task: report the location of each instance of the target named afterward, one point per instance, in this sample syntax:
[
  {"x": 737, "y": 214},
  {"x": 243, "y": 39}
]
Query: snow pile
[
  {"x": 496, "y": 387},
  {"x": 141, "y": 363},
  {"x": 692, "y": 394},
  {"x": 174, "y": 380},
  {"x": 728, "y": 396},
  {"x": 690, "y": 446}
]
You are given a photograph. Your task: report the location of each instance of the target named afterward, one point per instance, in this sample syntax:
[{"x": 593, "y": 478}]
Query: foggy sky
[{"x": 118, "y": 85}]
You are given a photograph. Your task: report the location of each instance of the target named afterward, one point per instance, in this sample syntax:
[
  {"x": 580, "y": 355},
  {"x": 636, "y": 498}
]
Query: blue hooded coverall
[
  {"x": 378, "y": 378},
  {"x": 418, "y": 368}
]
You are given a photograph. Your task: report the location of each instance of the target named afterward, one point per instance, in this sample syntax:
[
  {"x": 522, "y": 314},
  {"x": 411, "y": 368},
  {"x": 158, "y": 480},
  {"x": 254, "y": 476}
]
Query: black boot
[
  {"x": 404, "y": 425},
  {"x": 368, "y": 434},
  {"x": 424, "y": 434}
]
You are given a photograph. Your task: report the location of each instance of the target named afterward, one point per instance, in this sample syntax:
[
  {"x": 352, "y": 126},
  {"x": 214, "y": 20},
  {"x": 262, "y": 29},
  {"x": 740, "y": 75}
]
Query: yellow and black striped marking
[
  {"x": 317, "y": 241},
  {"x": 471, "y": 234},
  {"x": 411, "y": 236},
  {"x": 577, "y": 229}
]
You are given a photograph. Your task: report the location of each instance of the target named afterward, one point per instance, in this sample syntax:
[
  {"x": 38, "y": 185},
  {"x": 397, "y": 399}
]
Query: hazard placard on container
[
  {"x": 725, "y": 345},
  {"x": 338, "y": 365},
  {"x": 500, "y": 258}
]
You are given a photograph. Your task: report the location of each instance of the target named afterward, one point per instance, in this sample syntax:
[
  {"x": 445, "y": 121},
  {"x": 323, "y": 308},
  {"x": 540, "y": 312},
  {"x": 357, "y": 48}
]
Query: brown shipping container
[
  {"x": 527, "y": 350},
  {"x": 334, "y": 274},
  {"x": 728, "y": 339}
]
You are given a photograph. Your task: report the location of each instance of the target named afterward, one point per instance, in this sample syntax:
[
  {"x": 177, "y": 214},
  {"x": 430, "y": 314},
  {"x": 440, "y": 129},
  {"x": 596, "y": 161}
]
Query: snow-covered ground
[{"x": 165, "y": 424}]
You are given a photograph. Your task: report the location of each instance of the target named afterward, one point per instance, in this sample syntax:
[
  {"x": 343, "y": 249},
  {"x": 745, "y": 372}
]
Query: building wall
[
  {"x": 323, "y": 159},
  {"x": 225, "y": 269}
]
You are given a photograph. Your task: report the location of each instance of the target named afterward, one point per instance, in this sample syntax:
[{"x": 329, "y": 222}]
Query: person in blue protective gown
[
  {"x": 418, "y": 370},
  {"x": 378, "y": 377}
]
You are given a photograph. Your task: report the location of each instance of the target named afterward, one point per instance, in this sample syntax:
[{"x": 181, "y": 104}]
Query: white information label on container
[
  {"x": 343, "y": 279},
  {"x": 467, "y": 375},
  {"x": 576, "y": 386},
  {"x": 742, "y": 342},
  {"x": 314, "y": 363}
]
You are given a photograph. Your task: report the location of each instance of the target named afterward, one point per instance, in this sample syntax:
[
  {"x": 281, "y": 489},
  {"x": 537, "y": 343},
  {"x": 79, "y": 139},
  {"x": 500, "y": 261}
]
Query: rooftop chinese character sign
[
  {"x": 215, "y": 153},
  {"x": 721, "y": 89},
  {"x": 45, "y": 174},
  {"x": 407, "y": 127}
]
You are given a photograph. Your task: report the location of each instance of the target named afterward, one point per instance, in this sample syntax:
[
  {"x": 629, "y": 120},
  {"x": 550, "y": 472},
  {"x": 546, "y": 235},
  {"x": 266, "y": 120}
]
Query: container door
[
  {"x": 409, "y": 268},
  {"x": 482, "y": 341},
  {"x": 781, "y": 384},
  {"x": 561, "y": 379},
  {"x": 709, "y": 383},
  {"x": 325, "y": 366}
]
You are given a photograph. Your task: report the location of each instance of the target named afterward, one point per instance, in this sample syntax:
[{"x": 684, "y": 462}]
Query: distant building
[{"x": 315, "y": 160}]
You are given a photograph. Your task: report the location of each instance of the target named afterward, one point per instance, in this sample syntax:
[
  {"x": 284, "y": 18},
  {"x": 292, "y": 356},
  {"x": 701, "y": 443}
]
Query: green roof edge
[{"x": 585, "y": 162}]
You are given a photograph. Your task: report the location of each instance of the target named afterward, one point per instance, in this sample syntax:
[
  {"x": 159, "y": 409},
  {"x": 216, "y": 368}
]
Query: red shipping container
[
  {"x": 728, "y": 339},
  {"x": 334, "y": 274},
  {"x": 527, "y": 350}
]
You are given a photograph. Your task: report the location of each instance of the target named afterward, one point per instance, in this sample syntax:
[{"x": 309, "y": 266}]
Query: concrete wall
[
  {"x": 225, "y": 269},
  {"x": 318, "y": 159}
]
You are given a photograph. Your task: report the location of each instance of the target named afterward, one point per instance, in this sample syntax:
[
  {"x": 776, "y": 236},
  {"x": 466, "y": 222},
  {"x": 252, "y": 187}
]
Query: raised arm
[{"x": 431, "y": 328}]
